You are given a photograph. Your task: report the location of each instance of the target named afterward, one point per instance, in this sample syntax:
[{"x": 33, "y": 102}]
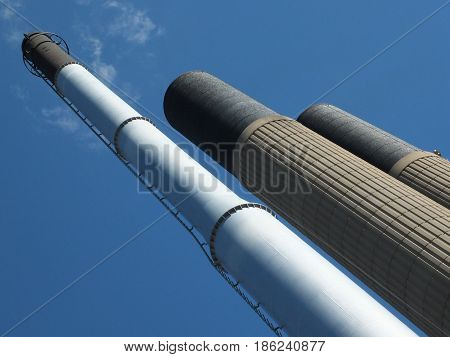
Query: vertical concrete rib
[
  {"x": 426, "y": 172},
  {"x": 391, "y": 236}
]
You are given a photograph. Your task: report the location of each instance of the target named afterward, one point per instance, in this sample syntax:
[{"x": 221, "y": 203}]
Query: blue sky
[{"x": 66, "y": 202}]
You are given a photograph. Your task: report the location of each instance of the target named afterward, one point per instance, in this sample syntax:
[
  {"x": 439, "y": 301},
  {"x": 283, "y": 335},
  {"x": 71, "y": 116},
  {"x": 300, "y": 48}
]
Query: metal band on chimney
[
  {"x": 404, "y": 162},
  {"x": 120, "y": 127},
  {"x": 248, "y": 131},
  {"x": 222, "y": 220},
  {"x": 61, "y": 68},
  {"x": 425, "y": 172}
]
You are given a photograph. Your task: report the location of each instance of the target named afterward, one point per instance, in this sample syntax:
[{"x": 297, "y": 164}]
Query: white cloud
[
  {"x": 13, "y": 27},
  {"x": 160, "y": 31},
  {"x": 13, "y": 36},
  {"x": 23, "y": 95},
  {"x": 89, "y": 140},
  {"x": 20, "y": 92},
  {"x": 95, "y": 47},
  {"x": 83, "y": 2},
  {"x": 62, "y": 118},
  {"x": 7, "y": 14},
  {"x": 131, "y": 91},
  {"x": 106, "y": 71},
  {"x": 49, "y": 112},
  {"x": 132, "y": 24}
]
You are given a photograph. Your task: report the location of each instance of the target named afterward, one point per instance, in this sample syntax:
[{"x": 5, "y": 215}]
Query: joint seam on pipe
[
  {"x": 120, "y": 127},
  {"x": 61, "y": 68},
  {"x": 246, "y": 133},
  {"x": 222, "y": 220},
  {"x": 407, "y": 160}
]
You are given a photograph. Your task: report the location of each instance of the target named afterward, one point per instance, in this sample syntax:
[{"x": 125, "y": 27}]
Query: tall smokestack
[
  {"x": 389, "y": 235},
  {"x": 288, "y": 278},
  {"x": 426, "y": 172}
]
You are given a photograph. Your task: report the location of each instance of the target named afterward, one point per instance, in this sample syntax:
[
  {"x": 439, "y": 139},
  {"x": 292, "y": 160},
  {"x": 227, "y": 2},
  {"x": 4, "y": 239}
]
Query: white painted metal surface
[
  {"x": 199, "y": 195},
  {"x": 96, "y": 101},
  {"x": 306, "y": 293},
  {"x": 301, "y": 289}
]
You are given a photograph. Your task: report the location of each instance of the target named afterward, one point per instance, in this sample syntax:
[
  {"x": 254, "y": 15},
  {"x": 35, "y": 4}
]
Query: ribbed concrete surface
[
  {"x": 388, "y": 234},
  {"x": 391, "y": 236},
  {"x": 431, "y": 176}
]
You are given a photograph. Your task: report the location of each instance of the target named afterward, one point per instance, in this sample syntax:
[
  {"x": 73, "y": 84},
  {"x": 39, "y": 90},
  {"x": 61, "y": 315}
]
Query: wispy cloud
[
  {"x": 93, "y": 49},
  {"x": 132, "y": 24},
  {"x": 83, "y": 2},
  {"x": 20, "y": 92},
  {"x": 131, "y": 91},
  {"x": 12, "y": 27},
  {"x": 62, "y": 118},
  {"x": 95, "y": 46},
  {"x": 59, "y": 117},
  {"x": 14, "y": 36},
  {"x": 112, "y": 31},
  {"x": 7, "y": 14}
]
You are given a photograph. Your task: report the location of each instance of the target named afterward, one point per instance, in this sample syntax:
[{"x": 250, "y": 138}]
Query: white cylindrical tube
[
  {"x": 186, "y": 184},
  {"x": 309, "y": 296},
  {"x": 299, "y": 287}
]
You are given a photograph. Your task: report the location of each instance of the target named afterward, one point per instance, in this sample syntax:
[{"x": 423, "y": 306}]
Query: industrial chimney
[
  {"x": 294, "y": 283},
  {"x": 392, "y": 237}
]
